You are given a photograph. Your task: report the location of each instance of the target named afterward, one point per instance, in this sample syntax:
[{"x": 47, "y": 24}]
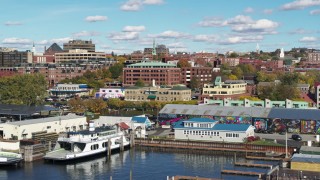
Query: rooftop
[{"x": 42, "y": 120}]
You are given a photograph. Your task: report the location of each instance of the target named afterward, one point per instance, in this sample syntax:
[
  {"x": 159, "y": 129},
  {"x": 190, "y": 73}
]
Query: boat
[
  {"x": 10, "y": 158},
  {"x": 86, "y": 143}
]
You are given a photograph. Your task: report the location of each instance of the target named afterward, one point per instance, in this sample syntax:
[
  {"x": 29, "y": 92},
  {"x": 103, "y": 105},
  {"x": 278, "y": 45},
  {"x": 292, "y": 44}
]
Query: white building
[
  {"x": 24, "y": 129},
  {"x": 138, "y": 123},
  {"x": 107, "y": 93},
  {"x": 205, "y": 129},
  {"x": 66, "y": 90}
]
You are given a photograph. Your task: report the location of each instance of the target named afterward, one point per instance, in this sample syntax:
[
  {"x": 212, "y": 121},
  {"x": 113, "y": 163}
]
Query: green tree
[
  {"x": 139, "y": 83},
  {"x": 237, "y": 71},
  {"x": 28, "y": 89},
  {"x": 116, "y": 70},
  {"x": 194, "y": 83}
]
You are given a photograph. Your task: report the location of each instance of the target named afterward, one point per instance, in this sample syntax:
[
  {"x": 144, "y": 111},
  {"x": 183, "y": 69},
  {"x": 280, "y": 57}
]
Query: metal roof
[
  {"x": 306, "y": 158},
  {"x": 10, "y": 109},
  {"x": 42, "y": 120},
  {"x": 151, "y": 64},
  {"x": 215, "y": 110},
  {"x": 138, "y": 119},
  {"x": 200, "y": 120},
  {"x": 285, "y": 113},
  {"x": 231, "y": 127}
]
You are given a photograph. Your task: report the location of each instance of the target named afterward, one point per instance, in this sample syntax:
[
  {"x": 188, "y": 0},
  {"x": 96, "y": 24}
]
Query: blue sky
[{"x": 124, "y": 26}]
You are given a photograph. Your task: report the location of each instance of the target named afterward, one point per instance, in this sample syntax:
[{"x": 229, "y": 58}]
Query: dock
[
  {"x": 192, "y": 178},
  {"x": 253, "y": 165},
  {"x": 243, "y": 173},
  {"x": 264, "y": 158}
]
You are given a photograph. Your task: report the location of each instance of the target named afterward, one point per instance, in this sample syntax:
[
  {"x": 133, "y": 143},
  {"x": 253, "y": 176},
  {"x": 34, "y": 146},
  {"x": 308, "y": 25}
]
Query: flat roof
[
  {"x": 42, "y": 120},
  {"x": 11, "y": 109}
]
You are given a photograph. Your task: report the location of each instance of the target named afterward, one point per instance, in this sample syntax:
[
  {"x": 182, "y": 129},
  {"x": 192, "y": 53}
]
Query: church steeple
[
  {"x": 258, "y": 48},
  {"x": 154, "y": 52},
  {"x": 33, "y": 48}
]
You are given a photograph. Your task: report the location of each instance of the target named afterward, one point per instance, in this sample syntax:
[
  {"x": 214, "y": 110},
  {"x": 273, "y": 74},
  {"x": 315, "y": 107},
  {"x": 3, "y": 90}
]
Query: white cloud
[
  {"x": 134, "y": 28},
  {"x": 300, "y": 4},
  {"x": 241, "y": 39},
  {"x": 60, "y": 40},
  {"x": 244, "y": 24},
  {"x": 268, "y": 11},
  {"x": 205, "y": 38},
  {"x": 123, "y": 36},
  {"x": 15, "y": 40},
  {"x": 153, "y": 2},
  {"x": 249, "y": 10},
  {"x": 176, "y": 45},
  {"x": 96, "y": 18},
  {"x": 136, "y": 5},
  {"x": 132, "y": 5},
  {"x": 86, "y": 33},
  {"x": 263, "y": 26},
  {"x": 300, "y": 31},
  {"x": 13, "y": 23},
  {"x": 315, "y": 12},
  {"x": 171, "y": 34},
  {"x": 308, "y": 39},
  {"x": 212, "y": 22}
]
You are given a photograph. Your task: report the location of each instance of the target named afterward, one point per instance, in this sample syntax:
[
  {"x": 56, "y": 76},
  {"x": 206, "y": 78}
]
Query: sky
[{"x": 124, "y": 26}]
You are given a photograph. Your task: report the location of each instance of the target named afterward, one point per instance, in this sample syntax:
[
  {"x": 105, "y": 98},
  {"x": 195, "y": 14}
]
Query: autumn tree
[
  {"x": 183, "y": 63},
  {"x": 95, "y": 105},
  {"x": 77, "y": 105},
  {"x": 194, "y": 83}
]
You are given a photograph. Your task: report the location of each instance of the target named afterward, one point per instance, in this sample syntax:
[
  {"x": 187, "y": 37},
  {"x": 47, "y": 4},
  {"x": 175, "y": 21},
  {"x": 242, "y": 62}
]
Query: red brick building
[{"x": 161, "y": 73}]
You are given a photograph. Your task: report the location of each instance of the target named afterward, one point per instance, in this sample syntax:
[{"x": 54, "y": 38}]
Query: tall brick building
[{"x": 162, "y": 73}]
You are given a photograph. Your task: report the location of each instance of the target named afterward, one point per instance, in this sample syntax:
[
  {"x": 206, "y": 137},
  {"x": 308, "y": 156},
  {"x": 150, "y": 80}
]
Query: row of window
[
  {"x": 232, "y": 135},
  {"x": 208, "y": 133}
]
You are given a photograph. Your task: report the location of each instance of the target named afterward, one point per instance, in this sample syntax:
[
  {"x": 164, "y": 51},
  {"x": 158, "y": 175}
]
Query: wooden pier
[
  {"x": 264, "y": 158},
  {"x": 243, "y": 173},
  {"x": 253, "y": 165},
  {"x": 192, "y": 178}
]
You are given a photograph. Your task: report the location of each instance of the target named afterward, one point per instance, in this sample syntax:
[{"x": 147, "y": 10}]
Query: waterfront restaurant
[
  {"x": 206, "y": 129},
  {"x": 277, "y": 120}
]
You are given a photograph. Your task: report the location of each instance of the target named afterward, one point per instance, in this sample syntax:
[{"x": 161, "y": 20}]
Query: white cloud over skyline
[{"x": 96, "y": 18}]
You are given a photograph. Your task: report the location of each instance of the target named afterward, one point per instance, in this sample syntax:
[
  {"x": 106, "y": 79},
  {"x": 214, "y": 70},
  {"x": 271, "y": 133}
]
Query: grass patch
[{"x": 266, "y": 143}]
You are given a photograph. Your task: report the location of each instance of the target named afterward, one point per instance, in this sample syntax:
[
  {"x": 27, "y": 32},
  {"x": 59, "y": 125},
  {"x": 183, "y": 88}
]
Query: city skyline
[{"x": 128, "y": 25}]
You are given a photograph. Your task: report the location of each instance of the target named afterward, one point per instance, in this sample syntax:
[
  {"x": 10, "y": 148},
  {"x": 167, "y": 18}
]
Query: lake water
[{"x": 144, "y": 164}]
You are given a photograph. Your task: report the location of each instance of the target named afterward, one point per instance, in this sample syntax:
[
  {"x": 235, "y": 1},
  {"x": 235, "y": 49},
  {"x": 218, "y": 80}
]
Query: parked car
[{"x": 296, "y": 137}]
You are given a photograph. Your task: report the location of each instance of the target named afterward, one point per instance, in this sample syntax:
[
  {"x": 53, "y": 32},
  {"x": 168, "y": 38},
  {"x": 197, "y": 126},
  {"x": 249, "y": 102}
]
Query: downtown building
[{"x": 161, "y": 73}]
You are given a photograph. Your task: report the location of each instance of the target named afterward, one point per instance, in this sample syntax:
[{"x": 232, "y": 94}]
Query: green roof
[
  {"x": 151, "y": 64},
  {"x": 180, "y": 88},
  {"x": 152, "y": 96}
]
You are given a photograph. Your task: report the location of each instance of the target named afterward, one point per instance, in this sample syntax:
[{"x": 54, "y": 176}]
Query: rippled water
[{"x": 144, "y": 164}]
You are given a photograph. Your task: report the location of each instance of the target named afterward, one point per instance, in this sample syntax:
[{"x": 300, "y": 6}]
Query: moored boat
[
  {"x": 10, "y": 158},
  {"x": 87, "y": 142}
]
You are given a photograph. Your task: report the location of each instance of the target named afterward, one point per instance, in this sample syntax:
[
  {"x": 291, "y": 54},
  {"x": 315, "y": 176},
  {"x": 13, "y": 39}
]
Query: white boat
[
  {"x": 86, "y": 143},
  {"x": 10, "y": 158}
]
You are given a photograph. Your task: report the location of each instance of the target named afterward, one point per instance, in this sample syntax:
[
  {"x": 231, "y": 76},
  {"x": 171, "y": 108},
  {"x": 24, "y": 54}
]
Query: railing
[{"x": 213, "y": 145}]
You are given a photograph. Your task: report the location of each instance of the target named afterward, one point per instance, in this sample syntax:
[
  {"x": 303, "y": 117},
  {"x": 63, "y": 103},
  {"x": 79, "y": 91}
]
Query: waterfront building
[
  {"x": 18, "y": 130},
  {"x": 79, "y": 44},
  {"x": 305, "y": 162},
  {"x": 229, "y": 89},
  {"x": 266, "y": 103},
  {"x": 158, "y": 93},
  {"x": 162, "y": 73},
  {"x": 69, "y": 90},
  {"x": 205, "y": 129},
  {"x": 292, "y": 120},
  {"x": 111, "y": 92}
]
